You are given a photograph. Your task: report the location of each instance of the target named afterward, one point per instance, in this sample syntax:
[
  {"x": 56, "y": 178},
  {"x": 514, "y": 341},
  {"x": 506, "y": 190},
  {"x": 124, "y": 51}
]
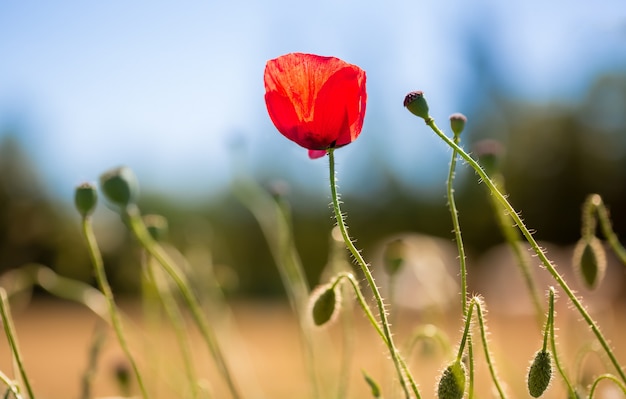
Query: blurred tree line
[{"x": 555, "y": 155}]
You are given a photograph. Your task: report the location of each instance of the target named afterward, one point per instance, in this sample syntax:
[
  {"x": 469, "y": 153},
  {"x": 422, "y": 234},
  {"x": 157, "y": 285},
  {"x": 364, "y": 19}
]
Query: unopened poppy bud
[
  {"x": 157, "y": 226},
  {"x": 539, "y": 374},
  {"x": 120, "y": 186},
  {"x": 394, "y": 255},
  {"x": 326, "y": 302},
  {"x": 416, "y": 104},
  {"x": 457, "y": 123},
  {"x": 452, "y": 382},
  {"x": 85, "y": 199},
  {"x": 489, "y": 153},
  {"x": 589, "y": 262},
  {"x": 375, "y": 389}
]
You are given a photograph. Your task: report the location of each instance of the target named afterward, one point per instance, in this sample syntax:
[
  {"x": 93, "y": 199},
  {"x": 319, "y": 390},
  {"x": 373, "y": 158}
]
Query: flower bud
[
  {"x": 457, "y": 123},
  {"x": 120, "y": 186},
  {"x": 326, "y": 303},
  {"x": 85, "y": 199},
  {"x": 539, "y": 374},
  {"x": 157, "y": 226},
  {"x": 416, "y": 104},
  {"x": 452, "y": 382},
  {"x": 394, "y": 255},
  {"x": 589, "y": 261}
]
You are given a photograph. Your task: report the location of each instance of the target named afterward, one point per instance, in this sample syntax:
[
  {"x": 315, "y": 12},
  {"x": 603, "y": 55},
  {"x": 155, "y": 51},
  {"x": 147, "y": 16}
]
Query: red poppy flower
[{"x": 317, "y": 102}]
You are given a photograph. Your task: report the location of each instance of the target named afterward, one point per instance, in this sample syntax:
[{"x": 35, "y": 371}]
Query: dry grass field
[{"x": 264, "y": 350}]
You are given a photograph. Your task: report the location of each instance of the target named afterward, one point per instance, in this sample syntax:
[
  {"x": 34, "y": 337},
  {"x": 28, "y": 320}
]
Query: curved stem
[
  {"x": 372, "y": 319},
  {"x": 483, "y": 337},
  {"x": 96, "y": 259},
  {"x": 9, "y": 330},
  {"x": 605, "y": 223},
  {"x": 457, "y": 226},
  {"x": 528, "y": 236},
  {"x": 366, "y": 271},
  {"x": 609, "y": 377},
  {"x": 570, "y": 387},
  {"x": 141, "y": 233}
]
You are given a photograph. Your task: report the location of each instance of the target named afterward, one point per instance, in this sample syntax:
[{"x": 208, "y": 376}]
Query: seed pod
[
  {"x": 120, "y": 186},
  {"x": 416, "y": 104},
  {"x": 457, "y": 123},
  {"x": 539, "y": 374},
  {"x": 589, "y": 262},
  {"x": 326, "y": 303},
  {"x": 85, "y": 199},
  {"x": 452, "y": 382}
]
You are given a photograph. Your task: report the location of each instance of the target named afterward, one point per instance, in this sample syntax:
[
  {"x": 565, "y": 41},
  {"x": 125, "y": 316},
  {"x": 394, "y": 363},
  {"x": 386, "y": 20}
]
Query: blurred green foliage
[{"x": 555, "y": 156}]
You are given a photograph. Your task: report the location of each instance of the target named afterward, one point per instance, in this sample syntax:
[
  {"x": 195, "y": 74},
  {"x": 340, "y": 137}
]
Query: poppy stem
[
  {"x": 499, "y": 197},
  {"x": 395, "y": 355}
]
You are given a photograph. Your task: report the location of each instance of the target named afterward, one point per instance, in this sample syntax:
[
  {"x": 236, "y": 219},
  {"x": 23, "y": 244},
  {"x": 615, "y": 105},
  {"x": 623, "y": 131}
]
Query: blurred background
[{"x": 176, "y": 93}]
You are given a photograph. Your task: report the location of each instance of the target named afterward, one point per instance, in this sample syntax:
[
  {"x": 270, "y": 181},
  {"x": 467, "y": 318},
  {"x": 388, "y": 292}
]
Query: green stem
[
  {"x": 609, "y": 377},
  {"x": 511, "y": 236},
  {"x": 96, "y": 259},
  {"x": 607, "y": 229},
  {"x": 570, "y": 387},
  {"x": 395, "y": 356},
  {"x": 168, "y": 302},
  {"x": 141, "y": 233},
  {"x": 483, "y": 337},
  {"x": 372, "y": 319},
  {"x": 9, "y": 330},
  {"x": 529, "y": 237},
  {"x": 457, "y": 227},
  {"x": 10, "y": 385}
]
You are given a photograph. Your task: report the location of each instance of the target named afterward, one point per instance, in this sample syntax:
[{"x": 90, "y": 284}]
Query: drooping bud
[
  {"x": 326, "y": 302},
  {"x": 489, "y": 153},
  {"x": 417, "y": 105},
  {"x": 452, "y": 382},
  {"x": 394, "y": 255},
  {"x": 457, "y": 123},
  {"x": 589, "y": 261},
  {"x": 120, "y": 186},
  {"x": 375, "y": 389},
  {"x": 157, "y": 226},
  {"x": 539, "y": 374},
  {"x": 85, "y": 199}
]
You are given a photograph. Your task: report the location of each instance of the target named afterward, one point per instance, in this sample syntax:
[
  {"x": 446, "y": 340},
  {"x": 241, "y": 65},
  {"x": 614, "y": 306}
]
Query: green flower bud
[
  {"x": 394, "y": 255},
  {"x": 85, "y": 199},
  {"x": 452, "y": 382},
  {"x": 539, "y": 374},
  {"x": 157, "y": 226},
  {"x": 120, "y": 186},
  {"x": 589, "y": 261},
  {"x": 457, "y": 123},
  {"x": 490, "y": 154},
  {"x": 417, "y": 105},
  {"x": 326, "y": 302},
  {"x": 375, "y": 389}
]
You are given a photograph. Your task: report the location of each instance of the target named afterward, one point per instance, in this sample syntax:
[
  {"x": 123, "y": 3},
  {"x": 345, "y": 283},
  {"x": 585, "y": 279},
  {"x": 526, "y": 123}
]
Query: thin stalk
[
  {"x": 154, "y": 249},
  {"x": 12, "y": 387},
  {"x": 607, "y": 229},
  {"x": 94, "y": 354},
  {"x": 609, "y": 377},
  {"x": 366, "y": 271},
  {"x": 96, "y": 259},
  {"x": 168, "y": 302},
  {"x": 529, "y": 237},
  {"x": 457, "y": 226},
  {"x": 511, "y": 236},
  {"x": 372, "y": 319},
  {"x": 9, "y": 330},
  {"x": 557, "y": 362},
  {"x": 483, "y": 337}
]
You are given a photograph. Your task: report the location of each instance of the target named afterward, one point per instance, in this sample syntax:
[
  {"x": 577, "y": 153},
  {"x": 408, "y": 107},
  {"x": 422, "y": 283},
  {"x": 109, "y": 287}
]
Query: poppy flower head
[{"x": 317, "y": 102}]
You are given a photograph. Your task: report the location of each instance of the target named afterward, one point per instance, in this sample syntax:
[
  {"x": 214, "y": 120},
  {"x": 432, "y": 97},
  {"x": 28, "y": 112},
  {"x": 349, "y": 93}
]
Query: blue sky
[{"x": 167, "y": 88}]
